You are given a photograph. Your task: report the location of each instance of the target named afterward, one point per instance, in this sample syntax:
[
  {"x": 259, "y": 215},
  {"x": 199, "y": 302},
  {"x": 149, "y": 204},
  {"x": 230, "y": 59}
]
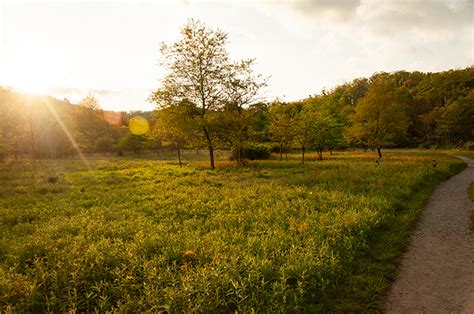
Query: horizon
[
  {"x": 66, "y": 50},
  {"x": 117, "y": 110}
]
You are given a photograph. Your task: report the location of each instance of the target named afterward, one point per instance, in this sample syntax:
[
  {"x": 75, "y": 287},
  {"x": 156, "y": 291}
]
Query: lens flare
[{"x": 138, "y": 125}]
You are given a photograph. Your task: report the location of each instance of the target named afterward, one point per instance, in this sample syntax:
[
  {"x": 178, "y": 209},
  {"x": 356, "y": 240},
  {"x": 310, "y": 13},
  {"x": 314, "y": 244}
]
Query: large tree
[
  {"x": 200, "y": 72},
  {"x": 381, "y": 116},
  {"x": 197, "y": 65},
  {"x": 241, "y": 91}
]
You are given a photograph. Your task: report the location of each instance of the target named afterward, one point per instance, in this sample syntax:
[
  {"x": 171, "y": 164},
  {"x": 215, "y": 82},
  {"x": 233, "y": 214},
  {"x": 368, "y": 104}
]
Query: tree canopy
[{"x": 199, "y": 71}]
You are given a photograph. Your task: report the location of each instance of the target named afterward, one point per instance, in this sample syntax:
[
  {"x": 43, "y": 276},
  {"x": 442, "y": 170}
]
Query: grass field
[
  {"x": 470, "y": 192},
  {"x": 134, "y": 235}
]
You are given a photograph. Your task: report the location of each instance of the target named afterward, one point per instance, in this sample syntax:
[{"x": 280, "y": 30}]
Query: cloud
[
  {"x": 103, "y": 92},
  {"x": 340, "y": 10},
  {"x": 119, "y": 100},
  {"x": 64, "y": 90},
  {"x": 432, "y": 19},
  {"x": 61, "y": 90}
]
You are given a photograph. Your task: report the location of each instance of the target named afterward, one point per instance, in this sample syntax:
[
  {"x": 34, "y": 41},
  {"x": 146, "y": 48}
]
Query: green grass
[
  {"x": 466, "y": 153},
  {"x": 135, "y": 235},
  {"x": 470, "y": 192},
  {"x": 460, "y": 152}
]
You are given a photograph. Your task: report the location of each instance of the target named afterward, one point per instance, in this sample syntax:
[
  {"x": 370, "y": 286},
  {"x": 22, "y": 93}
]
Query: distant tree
[
  {"x": 3, "y": 146},
  {"x": 329, "y": 120},
  {"x": 305, "y": 126},
  {"x": 104, "y": 144},
  {"x": 380, "y": 117},
  {"x": 259, "y": 122},
  {"x": 43, "y": 126},
  {"x": 327, "y": 131},
  {"x": 282, "y": 125},
  {"x": 172, "y": 126},
  {"x": 90, "y": 102},
  {"x": 131, "y": 142},
  {"x": 241, "y": 88},
  {"x": 455, "y": 122},
  {"x": 335, "y": 136},
  {"x": 91, "y": 125}
]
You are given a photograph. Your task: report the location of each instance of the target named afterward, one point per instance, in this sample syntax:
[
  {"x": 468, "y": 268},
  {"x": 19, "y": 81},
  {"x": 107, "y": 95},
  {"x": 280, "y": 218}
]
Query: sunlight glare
[
  {"x": 34, "y": 73},
  {"x": 66, "y": 132}
]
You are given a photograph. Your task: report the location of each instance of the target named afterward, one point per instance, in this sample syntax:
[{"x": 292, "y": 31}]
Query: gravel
[{"x": 436, "y": 274}]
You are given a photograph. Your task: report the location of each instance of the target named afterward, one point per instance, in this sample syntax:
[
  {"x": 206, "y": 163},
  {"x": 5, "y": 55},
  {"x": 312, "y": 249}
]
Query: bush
[
  {"x": 275, "y": 148},
  {"x": 252, "y": 151},
  {"x": 427, "y": 145},
  {"x": 469, "y": 145},
  {"x": 104, "y": 144}
]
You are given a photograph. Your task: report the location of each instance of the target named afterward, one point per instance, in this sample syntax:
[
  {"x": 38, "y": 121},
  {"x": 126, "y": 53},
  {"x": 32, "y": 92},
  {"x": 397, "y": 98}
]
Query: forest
[{"x": 399, "y": 109}]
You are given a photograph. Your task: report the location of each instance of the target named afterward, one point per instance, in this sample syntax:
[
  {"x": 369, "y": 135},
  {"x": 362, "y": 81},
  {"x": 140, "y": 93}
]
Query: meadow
[{"x": 127, "y": 234}]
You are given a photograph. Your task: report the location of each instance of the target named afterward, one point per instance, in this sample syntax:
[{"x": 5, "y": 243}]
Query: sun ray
[{"x": 66, "y": 132}]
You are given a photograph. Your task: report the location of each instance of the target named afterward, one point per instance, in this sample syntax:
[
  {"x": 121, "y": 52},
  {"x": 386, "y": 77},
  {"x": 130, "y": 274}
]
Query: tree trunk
[
  {"x": 320, "y": 153},
  {"x": 379, "y": 151},
  {"x": 239, "y": 153},
  {"x": 210, "y": 147},
  {"x": 330, "y": 152},
  {"x": 281, "y": 152},
  {"x": 179, "y": 157},
  {"x": 211, "y": 156},
  {"x": 302, "y": 155},
  {"x": 238, "y": 156}
]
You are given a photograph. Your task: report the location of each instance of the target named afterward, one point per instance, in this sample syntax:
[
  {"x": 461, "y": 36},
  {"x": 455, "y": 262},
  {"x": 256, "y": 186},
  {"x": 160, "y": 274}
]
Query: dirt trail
[{"x": 436, "y": 274}]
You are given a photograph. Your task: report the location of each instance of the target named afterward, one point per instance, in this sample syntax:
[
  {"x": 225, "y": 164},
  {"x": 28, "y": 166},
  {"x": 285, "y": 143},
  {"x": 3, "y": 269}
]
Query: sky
[{"x": 68, "y": 49}]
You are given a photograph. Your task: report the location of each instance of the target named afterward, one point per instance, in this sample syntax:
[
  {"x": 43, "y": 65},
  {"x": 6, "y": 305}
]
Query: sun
[
  {"x": 32, "y": 72},
  {"x": 33, "y": 84}
]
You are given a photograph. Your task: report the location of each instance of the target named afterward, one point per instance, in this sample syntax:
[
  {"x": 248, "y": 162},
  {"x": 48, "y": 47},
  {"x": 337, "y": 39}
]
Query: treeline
[
  {"x": 45, "y": 127},
  {"x": 400, "y": 109},
  {"x": 207, "y": 98}
]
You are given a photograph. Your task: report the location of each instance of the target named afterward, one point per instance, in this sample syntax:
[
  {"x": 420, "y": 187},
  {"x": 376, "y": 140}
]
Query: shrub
[
  {"x": 427, "y": 145},
  {"x": 469, "y": 145},
  {"x": 104, "y": 144},
  {"x": 252, "y": 151},
  {"x": 275, "y": 148}
]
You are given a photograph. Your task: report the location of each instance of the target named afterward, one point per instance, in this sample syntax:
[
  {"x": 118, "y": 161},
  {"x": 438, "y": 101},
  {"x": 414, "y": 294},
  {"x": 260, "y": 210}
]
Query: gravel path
[{"x": 436, "y": 274}]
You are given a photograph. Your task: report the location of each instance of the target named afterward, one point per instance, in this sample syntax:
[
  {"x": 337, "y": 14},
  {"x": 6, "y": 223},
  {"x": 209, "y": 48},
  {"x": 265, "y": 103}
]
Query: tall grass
[{"x": 139, "y": 235}]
